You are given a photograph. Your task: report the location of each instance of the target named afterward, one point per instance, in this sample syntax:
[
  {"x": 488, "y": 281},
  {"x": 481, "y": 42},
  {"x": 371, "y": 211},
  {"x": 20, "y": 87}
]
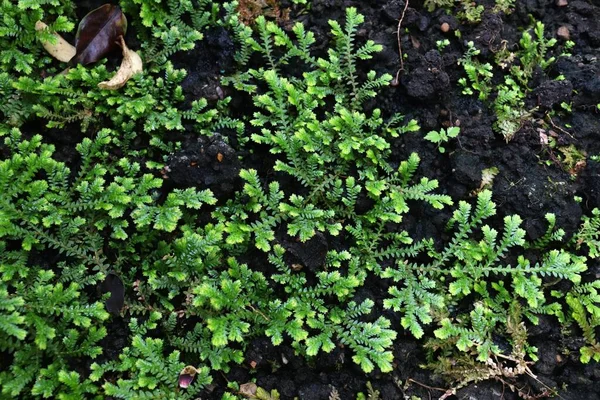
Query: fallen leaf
[
  {"x": 61, "y": 50},
  {"x": 543, "y": 137},
  {"x": 297, "y": 267},
  {"x": 579, "y": 166},
  {"x": 131, "y": 65},
  {"x": 98, "y": 34},
  {"x": 248, "y": 390},
  {"x": 186, "y": 376},
  {"x": 415, "y": 42}
]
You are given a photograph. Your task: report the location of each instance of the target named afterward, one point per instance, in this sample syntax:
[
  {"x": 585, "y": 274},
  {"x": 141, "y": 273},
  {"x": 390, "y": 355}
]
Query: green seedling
[{"x": 442, "y": 136}]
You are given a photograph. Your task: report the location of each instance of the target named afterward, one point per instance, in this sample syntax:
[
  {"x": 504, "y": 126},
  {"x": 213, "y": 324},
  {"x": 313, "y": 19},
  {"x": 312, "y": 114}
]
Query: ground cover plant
[{"x": 299, "y": 199}]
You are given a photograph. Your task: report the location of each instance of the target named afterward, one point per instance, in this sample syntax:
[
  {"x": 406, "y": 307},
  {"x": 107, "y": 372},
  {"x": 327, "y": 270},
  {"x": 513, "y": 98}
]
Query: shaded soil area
[{"x": 532, "y": 180}]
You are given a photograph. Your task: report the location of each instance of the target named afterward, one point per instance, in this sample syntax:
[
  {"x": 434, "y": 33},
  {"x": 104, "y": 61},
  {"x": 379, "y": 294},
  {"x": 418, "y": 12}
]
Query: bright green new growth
[
  {"x": 584, "y": 309},
  {"x": 40, "y": 317},
  {"x": 152, "y": 372},
  {"x": 170, "y": 26},
  {"x": 442, "y": 136},
  {"x": 479, "y": 75},
  {"x": 468, "y": 10},
  {"x": 589, "y": 234},
  {"x": 509, "y": 103},
  {"x": 464, "y": 348},
  {"x": 335, "y": 154},
  {"x": 584, "y": 299}
]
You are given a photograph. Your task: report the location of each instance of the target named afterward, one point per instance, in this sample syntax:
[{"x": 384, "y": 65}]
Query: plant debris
[
  {"x": 61, "y": 50},
  {"x": 131, "y": 65},
  {"x": 98, "y": 34}
]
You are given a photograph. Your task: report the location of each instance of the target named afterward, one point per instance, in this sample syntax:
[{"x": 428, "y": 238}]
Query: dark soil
[{"x": 428, "y": 91}]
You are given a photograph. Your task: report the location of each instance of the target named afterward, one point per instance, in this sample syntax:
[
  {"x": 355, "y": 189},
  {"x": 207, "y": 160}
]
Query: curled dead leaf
[
  {"x": 248, "y": 390},
  {"x": 186, "y": 376},
  {"x": 131, "y": 65},
  {"x": 61, "y": 50}
]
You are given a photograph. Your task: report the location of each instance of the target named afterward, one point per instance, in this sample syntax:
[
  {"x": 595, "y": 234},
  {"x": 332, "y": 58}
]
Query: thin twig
[
  {"x": 259, "y": 312},
  {"x": 395, "y": 82},
  {"x": 559, "y": 128},
  {"x": 427, "y": 386}
]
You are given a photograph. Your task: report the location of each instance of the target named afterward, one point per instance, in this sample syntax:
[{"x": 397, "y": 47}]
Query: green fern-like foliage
[
  {"x": 43, "y": 318},
  {"x": 21, "y": 51},
  {"x": 509, "y": 103},
  {"x": 170, "y": 26},
  {"x": 146, "y": 368},
  {"x": 533, "y": 54},
  {"x": 509, "y": 106},
  {"x": 505, "y": 295},
  {"x": 335, "y": 154},
  {"x": 20, "y": 43},
  {"x": 588, "y": 234},
  {"x": 466, "y": 266},
  {"x": 479, "y": 74},
  {"x": 196, "y": 281},
  {"x": 584, "y": 308},
  {"x": 108, "y": 207},
  {"x": 38, "y": 211}
]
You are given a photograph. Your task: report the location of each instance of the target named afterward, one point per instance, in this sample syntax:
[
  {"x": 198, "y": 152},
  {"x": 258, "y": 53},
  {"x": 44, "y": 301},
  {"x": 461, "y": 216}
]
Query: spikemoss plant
[{"x": 200, "y": 284}]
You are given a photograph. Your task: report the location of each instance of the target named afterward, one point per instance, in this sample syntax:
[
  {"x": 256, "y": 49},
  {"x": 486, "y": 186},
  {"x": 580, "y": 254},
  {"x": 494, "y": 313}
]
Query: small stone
[
  {"x": 445, "y": 27},
  {"x": 423, "y": 23},
  {"x": 561, "y": 3},
  {"x": 563, "y": 33}
]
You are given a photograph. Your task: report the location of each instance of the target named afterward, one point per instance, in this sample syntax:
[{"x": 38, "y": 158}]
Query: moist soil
[{"x": 531, "y": 181}]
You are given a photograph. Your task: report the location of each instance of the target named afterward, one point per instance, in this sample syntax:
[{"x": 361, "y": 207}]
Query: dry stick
[
  {"x": 395, "y": 82},
  {"x": 559, "y": 128},
  {"x": 427, "y": 386}
]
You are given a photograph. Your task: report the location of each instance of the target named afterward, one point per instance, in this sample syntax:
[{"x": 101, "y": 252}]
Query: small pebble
[
  {"x": 423, "y": 23},
  {"x": 561, "y": 3},
  {"x": 563, "y": 33},
  {"x": 445, "y": 27}
]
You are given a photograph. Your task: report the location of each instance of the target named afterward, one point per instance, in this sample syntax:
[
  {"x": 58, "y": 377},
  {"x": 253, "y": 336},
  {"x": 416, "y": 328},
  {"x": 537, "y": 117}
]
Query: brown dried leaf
[
  {"x": 131, "y": 65},
  {"x": 98, "y": 34},
  {"x": 186, "y": 376},
  {"x": 248, "y": 390}
]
